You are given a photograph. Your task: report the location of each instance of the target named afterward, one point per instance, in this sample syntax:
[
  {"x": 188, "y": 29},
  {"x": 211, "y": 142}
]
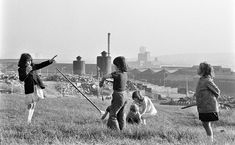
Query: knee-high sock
[
  {"x": 30, "y": 115},
  {"x": 31, "y": 110}
]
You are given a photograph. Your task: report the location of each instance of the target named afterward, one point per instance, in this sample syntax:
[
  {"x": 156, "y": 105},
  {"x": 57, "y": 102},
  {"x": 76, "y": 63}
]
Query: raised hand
[
  {"x": 53, "y": 59},
  {"x": 102, "y": 112},
  {"x": 28, "y": 69}
]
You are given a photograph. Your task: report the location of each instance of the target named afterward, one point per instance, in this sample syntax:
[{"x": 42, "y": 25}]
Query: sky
[{"x": 71, "y": 28}]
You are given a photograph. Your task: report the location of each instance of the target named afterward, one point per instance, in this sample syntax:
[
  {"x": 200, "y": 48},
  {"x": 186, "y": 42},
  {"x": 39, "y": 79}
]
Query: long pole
[
  {"x": 79, "y": 91},
  {"x": 191, "y": 105}
]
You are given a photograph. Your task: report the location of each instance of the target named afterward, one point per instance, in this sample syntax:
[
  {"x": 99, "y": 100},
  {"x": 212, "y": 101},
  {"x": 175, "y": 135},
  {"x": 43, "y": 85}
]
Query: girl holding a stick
[{"x": 116, "y": 119}]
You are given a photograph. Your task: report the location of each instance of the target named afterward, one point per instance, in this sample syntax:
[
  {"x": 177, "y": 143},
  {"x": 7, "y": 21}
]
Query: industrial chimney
[{"x": 109, "y": 44}]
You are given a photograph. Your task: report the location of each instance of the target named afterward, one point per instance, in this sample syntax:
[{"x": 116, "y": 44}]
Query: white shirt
[{"x": 147, "y": 107}]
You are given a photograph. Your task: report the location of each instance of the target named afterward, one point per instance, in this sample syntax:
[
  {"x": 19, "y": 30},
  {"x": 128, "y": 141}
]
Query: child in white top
[{"x": 146, "y": 106}]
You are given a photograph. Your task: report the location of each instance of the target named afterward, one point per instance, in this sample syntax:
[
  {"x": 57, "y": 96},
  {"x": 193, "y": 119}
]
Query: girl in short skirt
[
  {"x": 206, "y": 95},
  {"x": 28, "y": 74}
]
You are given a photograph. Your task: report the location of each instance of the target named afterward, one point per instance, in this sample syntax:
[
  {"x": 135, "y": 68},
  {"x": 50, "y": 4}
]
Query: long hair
[
  {"x": 206, "y": 69},
  {"x": 137, "y": 95},
  {"x": 23, "y": 59},
  {"x": 120, "y": 62}
]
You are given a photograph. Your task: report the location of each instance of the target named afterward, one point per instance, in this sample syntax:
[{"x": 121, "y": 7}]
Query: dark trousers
[{"x": 116, "y": 119}]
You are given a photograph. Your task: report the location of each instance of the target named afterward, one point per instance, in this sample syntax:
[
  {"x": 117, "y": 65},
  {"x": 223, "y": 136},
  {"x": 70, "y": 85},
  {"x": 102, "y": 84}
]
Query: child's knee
[{"x": 29, "y": 106}]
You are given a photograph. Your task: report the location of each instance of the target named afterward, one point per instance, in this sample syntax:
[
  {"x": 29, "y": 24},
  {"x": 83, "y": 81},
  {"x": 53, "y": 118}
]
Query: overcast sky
[{"x": 71, "y": 28}]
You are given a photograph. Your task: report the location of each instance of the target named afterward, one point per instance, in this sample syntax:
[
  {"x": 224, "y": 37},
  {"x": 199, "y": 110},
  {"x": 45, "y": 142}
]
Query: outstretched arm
[
  {"x": 44, "y": 64},
  {"x": 104, "y": 78},
  {"x": 144, "y": 107},
  {"x": 139, "y": 117}
]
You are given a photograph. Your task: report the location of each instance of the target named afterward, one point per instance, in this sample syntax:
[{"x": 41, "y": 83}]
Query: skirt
[
  {"x": 35, "y": 96},
  {"x": 31, "y": 98},
  {"x": 207, "y": 117}
]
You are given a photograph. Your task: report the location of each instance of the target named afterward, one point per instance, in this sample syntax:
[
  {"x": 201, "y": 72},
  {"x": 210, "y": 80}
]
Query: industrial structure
[
  {"x": 79, "y": 66},
  {"x": 104, "y": 61},
  {"x": 144, "y": 60},
  {"x": 103, "y": 64}
]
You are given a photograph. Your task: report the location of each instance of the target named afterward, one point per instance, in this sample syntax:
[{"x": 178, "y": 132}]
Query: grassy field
[{"x": 72, "y": 120}]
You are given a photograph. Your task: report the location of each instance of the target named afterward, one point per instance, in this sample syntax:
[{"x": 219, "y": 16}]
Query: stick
[
  {"x": 79, "y": 91},
  {"x": 191, "y": 105}
]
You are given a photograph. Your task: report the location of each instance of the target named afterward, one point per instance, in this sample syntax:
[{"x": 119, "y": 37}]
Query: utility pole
[
  {"x": 186, "y": 87},
  {"x": 109, "y": 44},
  {"x": 98, "y": 79},
  {"x": 164, "y": 83}
]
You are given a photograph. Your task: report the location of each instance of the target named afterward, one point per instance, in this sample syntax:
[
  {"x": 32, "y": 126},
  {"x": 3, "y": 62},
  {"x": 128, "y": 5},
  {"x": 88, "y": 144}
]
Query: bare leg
[
  {"x": 31, "y": 108},
  {"x": 207, "y": 126},
  {"x": 144, "y": 121}
]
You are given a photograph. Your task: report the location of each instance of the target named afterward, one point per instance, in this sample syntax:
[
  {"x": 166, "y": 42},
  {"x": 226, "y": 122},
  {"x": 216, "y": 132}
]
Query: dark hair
[
  {"x": 134, "y": 108},
  {"x": 206, "y": 69},
  {"x": 120, "y": 62},
  {"x": 137, "y": 95},
  {"x": 23, "y": 59}
]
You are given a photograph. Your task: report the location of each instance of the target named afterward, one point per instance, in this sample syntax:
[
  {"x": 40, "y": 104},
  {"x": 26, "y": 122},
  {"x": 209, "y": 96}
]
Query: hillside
[{"x": 72, "y": 120}]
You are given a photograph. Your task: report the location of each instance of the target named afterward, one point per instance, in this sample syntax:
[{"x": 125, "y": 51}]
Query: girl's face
[
  {"x": 135, "y": 99},
  {"x": 28, "y": 62},
  {"x": 116, "y": 68},
  {"x": 199, "y": 71}
]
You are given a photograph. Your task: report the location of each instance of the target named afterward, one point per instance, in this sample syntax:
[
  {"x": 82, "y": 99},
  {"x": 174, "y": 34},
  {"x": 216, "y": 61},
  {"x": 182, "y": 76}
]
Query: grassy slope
[{"x": 75, "y": 121}]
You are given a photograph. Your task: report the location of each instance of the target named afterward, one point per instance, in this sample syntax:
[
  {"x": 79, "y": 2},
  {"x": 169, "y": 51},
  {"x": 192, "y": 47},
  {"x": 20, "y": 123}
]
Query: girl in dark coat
[
  {"x": 206, "y": 95},
  {"x": 32, "y": 83}
]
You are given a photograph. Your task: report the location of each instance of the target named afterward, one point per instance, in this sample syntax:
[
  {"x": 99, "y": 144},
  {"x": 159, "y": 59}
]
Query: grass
[{"x": 72, "y": 120}]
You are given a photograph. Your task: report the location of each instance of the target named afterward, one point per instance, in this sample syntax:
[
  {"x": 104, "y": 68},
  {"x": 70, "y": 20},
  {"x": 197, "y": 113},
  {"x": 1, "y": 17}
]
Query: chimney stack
[{"x": 109, "y": 44}]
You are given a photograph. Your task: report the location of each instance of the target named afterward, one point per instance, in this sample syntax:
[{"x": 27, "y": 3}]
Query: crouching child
[{"x": 133, "y": 116}]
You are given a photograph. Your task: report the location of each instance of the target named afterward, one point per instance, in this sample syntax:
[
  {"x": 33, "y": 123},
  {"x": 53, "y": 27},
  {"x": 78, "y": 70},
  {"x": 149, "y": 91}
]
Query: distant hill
[{"x": 190, "y": 59}]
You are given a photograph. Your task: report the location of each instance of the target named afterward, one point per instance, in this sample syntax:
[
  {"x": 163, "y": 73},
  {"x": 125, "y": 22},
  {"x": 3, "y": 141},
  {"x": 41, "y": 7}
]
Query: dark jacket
[{"x": 32, "y": 77}]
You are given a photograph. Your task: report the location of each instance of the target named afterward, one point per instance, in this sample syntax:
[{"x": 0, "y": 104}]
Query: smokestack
[{"x": 109, "y": 44}]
